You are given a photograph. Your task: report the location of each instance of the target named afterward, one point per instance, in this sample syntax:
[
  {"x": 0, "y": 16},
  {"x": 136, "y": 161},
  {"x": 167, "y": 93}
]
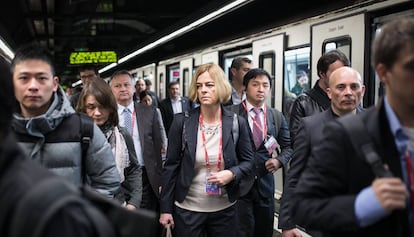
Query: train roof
[{"x": 122, "y": 26}]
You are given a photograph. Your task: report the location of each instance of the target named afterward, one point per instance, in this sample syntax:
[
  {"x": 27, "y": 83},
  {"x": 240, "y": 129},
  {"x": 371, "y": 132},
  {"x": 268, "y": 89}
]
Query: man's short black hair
[
  {"x": 88, "y": 67},
  {"x": 32, "y": 52},
  {"x": 330, "y": 57},
  {"x": 173, "y": 83},
  {"x": 148, "y": 82},
  {"x": 255, "y": 72}
]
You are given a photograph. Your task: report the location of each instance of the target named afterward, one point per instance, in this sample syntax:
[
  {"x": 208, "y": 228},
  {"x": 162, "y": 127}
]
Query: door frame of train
[
  {"x": 336, "y": 29},
  {"x": 275, "y": 44},
  {"x": 161, "y": 85},
  {"x": 185, "y": 64}
]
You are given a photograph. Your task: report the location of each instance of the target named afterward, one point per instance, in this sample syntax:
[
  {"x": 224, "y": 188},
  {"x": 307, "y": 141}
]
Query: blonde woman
[{"x": 200, "y": 179}]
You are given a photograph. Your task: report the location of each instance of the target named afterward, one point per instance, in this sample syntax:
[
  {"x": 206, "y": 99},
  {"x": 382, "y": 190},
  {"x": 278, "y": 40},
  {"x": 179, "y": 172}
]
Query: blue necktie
[
  {"x": 257, "y": 128},
  {"x": 127, "y": 120}
]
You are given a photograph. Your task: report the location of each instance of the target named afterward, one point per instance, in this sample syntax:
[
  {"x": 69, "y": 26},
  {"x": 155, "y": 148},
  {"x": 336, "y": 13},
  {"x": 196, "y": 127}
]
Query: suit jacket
[
  {"x": 167, "y": 111},
  {"x": 335, "y": 174},
  {"x": 266, "y": 186},
  {"x": 178, "y": 170},
  {"x": 150, "y": 137},
  {"x": 308, "y": 135}
]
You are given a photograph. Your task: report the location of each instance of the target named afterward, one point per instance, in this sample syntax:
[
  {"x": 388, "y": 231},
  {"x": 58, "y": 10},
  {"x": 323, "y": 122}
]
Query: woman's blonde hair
[{"x": 222, "y": 85}]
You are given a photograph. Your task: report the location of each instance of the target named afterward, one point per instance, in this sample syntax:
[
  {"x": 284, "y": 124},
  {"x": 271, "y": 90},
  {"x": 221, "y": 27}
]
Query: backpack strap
[
  {"x": 277, "y": 118},
  {"x": 86, "y": 130},
  {"x": 363, "y": 144}
]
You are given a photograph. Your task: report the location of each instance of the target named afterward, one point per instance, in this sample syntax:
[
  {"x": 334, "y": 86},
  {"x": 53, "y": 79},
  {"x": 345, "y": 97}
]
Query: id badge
[
  {"x": 212, "y": 188},
  {"x": 271, "y": 144}
]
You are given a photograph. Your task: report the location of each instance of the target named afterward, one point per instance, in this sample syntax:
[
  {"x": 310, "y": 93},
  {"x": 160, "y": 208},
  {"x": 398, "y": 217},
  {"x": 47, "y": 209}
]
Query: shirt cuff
[{"x": 368, "y": 209}]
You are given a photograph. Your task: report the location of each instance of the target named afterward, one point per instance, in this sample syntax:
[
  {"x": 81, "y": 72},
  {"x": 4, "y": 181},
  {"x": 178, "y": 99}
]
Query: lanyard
[
  {"x": 264, "y": 130},
  {"x": 203, "y": 137},
  {"x": 410, "y": 177}
]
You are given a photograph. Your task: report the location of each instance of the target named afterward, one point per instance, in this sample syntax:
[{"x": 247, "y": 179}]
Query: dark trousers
[
  {"x": 149, "y": 198},
  {"x": 255, "y": 215},
  {"x": 205, "y": 224}
]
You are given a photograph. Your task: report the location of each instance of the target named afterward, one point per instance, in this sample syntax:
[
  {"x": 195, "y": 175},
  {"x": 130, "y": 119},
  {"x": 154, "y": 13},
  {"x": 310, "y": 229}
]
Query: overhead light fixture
[
  {"x": 5, "y": 48},
  {"x": 211, "y": 16},
  {"x": 104, "y": 69}
]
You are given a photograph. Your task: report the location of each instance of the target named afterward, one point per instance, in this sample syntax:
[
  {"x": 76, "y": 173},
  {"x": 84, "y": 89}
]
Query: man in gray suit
[{"x": 142, "y": 122}]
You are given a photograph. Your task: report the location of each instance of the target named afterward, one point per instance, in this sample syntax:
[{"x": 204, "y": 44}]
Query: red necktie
[{"x": 257, "y": 129}]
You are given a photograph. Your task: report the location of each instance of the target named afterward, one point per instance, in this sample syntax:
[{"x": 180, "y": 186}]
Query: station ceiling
[{"x": 66, "y": 26}]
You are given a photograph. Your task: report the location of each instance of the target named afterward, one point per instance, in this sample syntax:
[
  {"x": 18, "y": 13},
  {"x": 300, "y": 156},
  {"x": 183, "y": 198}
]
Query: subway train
[{"x": 289, "y": 50}]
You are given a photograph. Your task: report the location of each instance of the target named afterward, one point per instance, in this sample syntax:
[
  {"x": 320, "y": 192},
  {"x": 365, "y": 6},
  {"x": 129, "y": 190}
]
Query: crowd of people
[{"x": 205, "y": 163}]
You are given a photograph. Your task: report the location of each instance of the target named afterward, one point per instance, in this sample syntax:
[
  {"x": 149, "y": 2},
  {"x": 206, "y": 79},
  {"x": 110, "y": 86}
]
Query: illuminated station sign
[{"x": 93, "y": 57}]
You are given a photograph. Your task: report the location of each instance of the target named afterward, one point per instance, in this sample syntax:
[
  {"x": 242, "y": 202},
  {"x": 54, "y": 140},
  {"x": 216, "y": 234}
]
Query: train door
[
  {"x": 186, "y": 69},
  {"x": 268, "y": 55},
  {"x": 339, "y": 34},
  {"x": 375, "y": 87},
  {"x": 160, "y": 82}
]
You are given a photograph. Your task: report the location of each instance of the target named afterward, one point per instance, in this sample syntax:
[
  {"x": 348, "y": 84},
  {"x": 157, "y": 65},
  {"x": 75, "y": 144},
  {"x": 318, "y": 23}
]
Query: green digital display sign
[{"x": 92, "y": 57}]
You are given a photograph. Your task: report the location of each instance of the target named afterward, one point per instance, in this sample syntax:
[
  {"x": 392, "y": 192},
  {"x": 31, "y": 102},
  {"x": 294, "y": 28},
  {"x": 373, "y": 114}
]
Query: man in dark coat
[
  {"x": 338, "y": 192},
  {"x": 345, "y": 91}
]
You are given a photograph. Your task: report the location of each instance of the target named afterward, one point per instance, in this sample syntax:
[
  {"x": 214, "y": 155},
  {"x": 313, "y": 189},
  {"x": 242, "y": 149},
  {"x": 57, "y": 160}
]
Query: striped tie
[
  {"x": 257, "y": 128},
  {"x": 127, "y": 120}
]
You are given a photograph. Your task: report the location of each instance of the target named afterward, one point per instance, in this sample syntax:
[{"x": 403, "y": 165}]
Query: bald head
[{"x": 345, "y": 90}]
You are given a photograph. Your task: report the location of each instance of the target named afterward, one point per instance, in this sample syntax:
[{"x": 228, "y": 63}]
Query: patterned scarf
[{"x": 119, "y": 148}]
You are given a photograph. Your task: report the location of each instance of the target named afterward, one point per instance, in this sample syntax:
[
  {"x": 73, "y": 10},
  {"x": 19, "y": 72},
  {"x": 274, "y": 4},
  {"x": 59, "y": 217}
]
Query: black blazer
[
  {"x": 150, "y": 137},
  {"x": 308, "y": 135},
  {"x": 280, "y": 131},
  {"x": 335, "y": 174},
  {"x": 167, "y": 111},
  {"x": 178, "y": 170}
]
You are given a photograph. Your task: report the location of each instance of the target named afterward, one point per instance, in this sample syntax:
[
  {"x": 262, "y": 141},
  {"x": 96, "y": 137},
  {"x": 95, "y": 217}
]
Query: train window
[
  {"x": 296, "y": 79},
  {"x": 267, "y": 62},
  {"x": 173, "y": 74},
  {"x": 186, "y": 81},
  {"x": 343, "y": 44}
]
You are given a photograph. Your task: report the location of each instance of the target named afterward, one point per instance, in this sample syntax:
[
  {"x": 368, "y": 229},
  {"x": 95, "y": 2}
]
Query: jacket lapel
[
  {"x": 227, "y": 126},
  {"x": 191, "y": 130},
  {"x": 141, "y": 128}
]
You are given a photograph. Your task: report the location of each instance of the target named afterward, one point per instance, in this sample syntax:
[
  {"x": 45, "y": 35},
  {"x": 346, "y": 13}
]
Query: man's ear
[{"x": 329, "y": 93}]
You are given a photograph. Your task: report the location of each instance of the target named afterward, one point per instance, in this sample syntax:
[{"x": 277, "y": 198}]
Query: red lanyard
[
  {"x": 410, "y": 177},
  {"x": 264, "y": 130},
  {"x": 203, "y": 136}
]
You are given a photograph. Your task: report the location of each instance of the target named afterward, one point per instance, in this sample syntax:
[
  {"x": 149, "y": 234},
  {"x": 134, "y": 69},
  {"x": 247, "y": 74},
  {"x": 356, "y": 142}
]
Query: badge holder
[{"x": 212, "y": 188}]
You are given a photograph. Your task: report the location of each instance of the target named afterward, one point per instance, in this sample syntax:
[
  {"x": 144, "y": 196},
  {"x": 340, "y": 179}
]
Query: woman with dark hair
[
  {"x": 146, "y": 98},
  {"x": 302, "y": 83},
  {"x": 98, "y": 102}
]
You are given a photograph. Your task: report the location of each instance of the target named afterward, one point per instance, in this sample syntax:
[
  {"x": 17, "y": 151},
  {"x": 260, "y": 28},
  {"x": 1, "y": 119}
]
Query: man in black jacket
[
  {"x": 339, "y": 192},
  {"x": 316, "y": 100},
  {"x": 19, "y": 174},
  {"x": 272, "y": 151},
  {"x": 345, "y": 91}
]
